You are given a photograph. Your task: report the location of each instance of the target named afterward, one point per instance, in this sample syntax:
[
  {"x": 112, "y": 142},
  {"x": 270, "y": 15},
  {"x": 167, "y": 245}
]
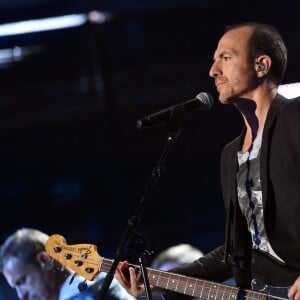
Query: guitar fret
[
  {"x": 181, "y": 284},
  {"x": 230, "y": 292},
  {"x": 167, "y": 286},
  {"x": 173, "y": 282},
  {"x": 154, "y": 277},
  {"x": 190, "y": 287},
  {"x": 207, "y": 290}
]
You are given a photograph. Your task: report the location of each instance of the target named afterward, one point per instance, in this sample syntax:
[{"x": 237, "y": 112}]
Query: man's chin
[{"x": 227, "y": 100}]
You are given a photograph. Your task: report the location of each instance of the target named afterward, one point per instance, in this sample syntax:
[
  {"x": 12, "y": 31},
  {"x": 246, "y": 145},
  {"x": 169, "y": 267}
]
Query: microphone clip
[{"x": 176, "y": 117}]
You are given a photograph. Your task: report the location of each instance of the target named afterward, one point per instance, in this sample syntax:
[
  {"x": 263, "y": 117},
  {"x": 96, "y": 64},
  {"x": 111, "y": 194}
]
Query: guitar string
[{"x": 106, "y": 265}]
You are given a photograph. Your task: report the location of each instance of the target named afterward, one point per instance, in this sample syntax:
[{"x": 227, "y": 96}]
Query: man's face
[
  {"x": 234, "y": 75},
  {"x": 30, "y": 281}
]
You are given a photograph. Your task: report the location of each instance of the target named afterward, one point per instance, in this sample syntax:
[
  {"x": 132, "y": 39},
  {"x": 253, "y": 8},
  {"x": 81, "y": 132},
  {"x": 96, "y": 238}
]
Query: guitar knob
[
  {"x": 89, "y": 270},
  {"x": 57, "y": 249},
  {"x": 78, "y": 263},
  {"x": 68, "y": 256}
]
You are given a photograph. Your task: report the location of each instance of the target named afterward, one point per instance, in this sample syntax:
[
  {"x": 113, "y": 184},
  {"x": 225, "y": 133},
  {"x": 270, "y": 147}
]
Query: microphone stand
[{"x": 129, "y": 235}]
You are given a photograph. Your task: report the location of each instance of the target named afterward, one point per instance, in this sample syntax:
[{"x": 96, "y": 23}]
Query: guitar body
[{"x": 85, "y": 261}]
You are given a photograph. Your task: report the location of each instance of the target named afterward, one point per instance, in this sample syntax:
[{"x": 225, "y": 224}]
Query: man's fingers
[{"x": 294, "y": 291}]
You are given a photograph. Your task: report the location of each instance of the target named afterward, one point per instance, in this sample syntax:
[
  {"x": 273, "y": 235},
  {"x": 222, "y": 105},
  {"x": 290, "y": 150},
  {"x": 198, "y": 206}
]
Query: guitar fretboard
[{"x": 193, "y": 286}]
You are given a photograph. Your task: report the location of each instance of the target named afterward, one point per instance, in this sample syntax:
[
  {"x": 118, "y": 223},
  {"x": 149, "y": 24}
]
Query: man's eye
[
  {"x": 21, "y": 280},
  {"x": 226, "y": 58}
]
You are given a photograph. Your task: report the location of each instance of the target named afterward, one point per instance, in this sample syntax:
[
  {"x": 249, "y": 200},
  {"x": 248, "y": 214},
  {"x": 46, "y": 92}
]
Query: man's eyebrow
[{"x": 221, "y": 54}]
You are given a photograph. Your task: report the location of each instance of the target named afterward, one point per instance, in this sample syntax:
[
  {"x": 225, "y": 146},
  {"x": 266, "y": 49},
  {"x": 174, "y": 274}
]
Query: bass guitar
[{"x": 85, "y": 261}]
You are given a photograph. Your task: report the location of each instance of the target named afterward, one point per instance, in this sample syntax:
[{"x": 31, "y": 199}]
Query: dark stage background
[{"x": 73, "y": 161}]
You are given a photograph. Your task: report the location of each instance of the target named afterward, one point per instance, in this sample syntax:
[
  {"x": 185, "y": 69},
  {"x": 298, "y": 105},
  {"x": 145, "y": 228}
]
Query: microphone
[{"x": 203, "y": 101}]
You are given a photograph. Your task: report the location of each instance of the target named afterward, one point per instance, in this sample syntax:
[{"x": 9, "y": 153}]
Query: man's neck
[{"x": 254, "y": 113}]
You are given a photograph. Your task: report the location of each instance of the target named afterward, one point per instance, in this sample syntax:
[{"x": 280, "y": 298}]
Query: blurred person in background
[
  {"x": 35, "y": 275},
  {"x": 176, "y": 256}
]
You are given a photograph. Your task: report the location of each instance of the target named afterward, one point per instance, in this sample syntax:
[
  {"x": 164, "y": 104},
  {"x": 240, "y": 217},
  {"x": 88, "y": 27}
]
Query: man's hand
[
  {"x": 294, "y": 292},
  {"x": 128, "y": 278}
]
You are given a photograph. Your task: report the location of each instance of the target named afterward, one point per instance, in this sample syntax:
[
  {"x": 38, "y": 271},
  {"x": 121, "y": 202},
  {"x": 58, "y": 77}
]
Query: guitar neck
[
  {"x": 192, "y": 286},
  {"x": 84, "y": 260}
]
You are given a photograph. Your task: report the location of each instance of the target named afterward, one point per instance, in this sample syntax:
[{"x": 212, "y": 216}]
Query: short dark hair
[{"x": 266, "y": 40}]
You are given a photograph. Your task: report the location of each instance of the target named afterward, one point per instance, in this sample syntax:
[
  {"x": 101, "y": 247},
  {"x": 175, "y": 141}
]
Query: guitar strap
[{"x": 228, "y": 242}]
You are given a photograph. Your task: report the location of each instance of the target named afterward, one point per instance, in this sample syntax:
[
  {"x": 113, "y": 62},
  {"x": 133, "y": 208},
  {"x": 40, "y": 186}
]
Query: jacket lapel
[{"x": 267, "y": 134}]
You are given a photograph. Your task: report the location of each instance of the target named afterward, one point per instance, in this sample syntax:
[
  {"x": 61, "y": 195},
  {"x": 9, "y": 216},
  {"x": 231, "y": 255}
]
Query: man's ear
[
  {"x": 262, "y": 65},
  {"x": 45, "y": 260}
]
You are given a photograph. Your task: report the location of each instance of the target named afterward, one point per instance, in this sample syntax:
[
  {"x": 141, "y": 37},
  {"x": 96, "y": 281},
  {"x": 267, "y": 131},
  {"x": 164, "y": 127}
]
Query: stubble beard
[{"x": 228, "y": 96}]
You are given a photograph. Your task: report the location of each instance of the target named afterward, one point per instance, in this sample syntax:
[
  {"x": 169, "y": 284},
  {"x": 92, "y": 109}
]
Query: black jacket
[{"x": 280, "y": 180}]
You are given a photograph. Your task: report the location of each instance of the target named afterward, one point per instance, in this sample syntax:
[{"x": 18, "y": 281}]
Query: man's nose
[{"x": 214, "y": 70}]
